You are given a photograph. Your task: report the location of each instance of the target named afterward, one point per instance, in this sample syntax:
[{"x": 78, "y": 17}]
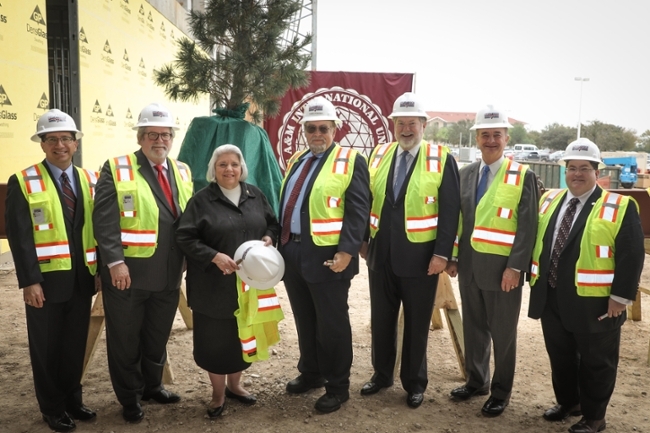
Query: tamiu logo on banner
[{"x": 364, "y": 125}]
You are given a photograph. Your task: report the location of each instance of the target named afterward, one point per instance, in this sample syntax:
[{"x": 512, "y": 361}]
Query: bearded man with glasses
[
  {"x": 324, "y": 206},
  {"x": 139, "y": 200}
]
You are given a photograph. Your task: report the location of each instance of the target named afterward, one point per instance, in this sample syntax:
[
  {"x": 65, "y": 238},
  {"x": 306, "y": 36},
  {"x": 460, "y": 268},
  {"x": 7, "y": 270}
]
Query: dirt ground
[{"x": 276, "y": 411}]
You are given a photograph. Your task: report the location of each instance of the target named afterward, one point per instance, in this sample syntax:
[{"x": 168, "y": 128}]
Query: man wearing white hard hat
[
  {"x": 324, "y": 207},
  {"x": 139, "y": 199},
  {"x": 496, "y": 238},
  {"x": 586, "y": 267},
  {"x": 413, "y": 220},
  {"x": 48, "y": 225}
]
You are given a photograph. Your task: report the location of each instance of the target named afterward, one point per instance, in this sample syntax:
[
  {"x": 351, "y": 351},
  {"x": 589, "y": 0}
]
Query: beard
[{"x": 317, "y": 149}]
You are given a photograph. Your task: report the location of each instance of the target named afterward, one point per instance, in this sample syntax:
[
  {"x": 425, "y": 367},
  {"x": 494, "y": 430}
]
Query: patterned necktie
[
  {"x": 562, "y": 235},
  {"x": 401, "y": 174},
  {"x": 68, "y": 194},
  {"x": 482, "y": 184},
  {"x": 291, "y": 202},
  {"x": 164, "y": 184}
]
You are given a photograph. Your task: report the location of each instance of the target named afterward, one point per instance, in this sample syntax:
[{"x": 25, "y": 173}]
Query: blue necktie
[
  {"x": 482, "y": 184},
  {"x": 401, "y": 174}
]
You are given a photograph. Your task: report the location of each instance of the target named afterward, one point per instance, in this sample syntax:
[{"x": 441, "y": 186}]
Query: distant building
[{"x": 444, "y": 118}]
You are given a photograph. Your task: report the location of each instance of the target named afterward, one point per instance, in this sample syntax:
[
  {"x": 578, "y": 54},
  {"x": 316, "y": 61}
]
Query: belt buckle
[{"x": 295, "y": 237}]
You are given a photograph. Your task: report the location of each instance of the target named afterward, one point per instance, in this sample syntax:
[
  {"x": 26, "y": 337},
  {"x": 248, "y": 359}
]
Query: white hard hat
[
  {"x": 155, "y": 115},
  {"x": 317, "y": 109},
  {"x": 55, "y": 121},
  {"x": 408, "y": 105},
  {"x": 261, "y": 267},
  {"x": 582, "y": 149},
  {"x": 490, "y": 118}
]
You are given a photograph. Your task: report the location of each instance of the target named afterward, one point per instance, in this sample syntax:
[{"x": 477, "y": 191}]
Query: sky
[{"x": 520, "y": 55}]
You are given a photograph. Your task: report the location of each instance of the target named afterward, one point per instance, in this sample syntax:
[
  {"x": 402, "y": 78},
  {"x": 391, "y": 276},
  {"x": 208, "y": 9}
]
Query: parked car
[
  {"x": 555, "y": 156},
  {"x": 533, "y": 156}
]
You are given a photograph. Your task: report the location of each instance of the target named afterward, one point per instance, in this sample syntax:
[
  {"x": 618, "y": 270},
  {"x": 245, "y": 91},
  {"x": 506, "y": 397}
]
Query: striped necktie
[{"x": 68, "y": 194}]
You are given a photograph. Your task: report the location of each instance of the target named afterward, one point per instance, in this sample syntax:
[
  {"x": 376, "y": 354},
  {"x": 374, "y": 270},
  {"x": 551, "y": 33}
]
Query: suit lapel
[
  {"x": 319, "y": 166},
  {"x": 79, "y": 205}
]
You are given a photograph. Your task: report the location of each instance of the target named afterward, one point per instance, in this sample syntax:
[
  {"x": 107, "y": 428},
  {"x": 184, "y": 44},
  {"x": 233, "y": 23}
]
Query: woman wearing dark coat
[{"x": 217, "y": 220}]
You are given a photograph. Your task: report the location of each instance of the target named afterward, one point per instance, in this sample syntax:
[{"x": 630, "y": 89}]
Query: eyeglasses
[
  {"x": 55, "y": 140},
  {"x": 581, "y": 170},
  {"x": 322, "y": 129},
  {"x": 165, "y": 136}
]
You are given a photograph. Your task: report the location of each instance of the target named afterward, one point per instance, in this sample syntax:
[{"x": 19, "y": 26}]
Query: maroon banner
[{"x": 363, "y": 102}]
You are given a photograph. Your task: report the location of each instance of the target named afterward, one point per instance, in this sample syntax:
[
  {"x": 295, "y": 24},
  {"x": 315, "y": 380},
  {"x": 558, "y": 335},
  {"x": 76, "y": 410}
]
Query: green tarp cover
[{"x": 207, "y": 133}]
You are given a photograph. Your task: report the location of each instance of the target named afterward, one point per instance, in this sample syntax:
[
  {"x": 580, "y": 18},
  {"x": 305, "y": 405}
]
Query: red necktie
[
  {"x": 562, "y": 235},
  {"x": 291, "y": 202},
  {"x": 68, "y": 195},
  {"x": 164, "y": 184}
]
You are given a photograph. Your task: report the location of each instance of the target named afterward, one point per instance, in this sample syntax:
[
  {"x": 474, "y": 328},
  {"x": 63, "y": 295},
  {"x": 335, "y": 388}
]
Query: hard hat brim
[
  {"x": 259, "y": 284},
  {"x": 319, "y": 118},
  {"x": 491, "y": 126},
  {"x": 405, "y": 114},
  {"x": 563, "y": 161},
  {"x": 37, "y": 137}
]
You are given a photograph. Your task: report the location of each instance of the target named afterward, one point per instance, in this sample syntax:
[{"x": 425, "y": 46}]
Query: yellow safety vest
[
  {"x": 326, "y": 201},
  {"x": 495, "y": 223},
  {"x": 258, "y": 316},
  {"x": 595, "y": 266},
  {"x": 138, "y": 208},
  {"x": 421, "y": 200},
  {"x": 48, "y": 223}
]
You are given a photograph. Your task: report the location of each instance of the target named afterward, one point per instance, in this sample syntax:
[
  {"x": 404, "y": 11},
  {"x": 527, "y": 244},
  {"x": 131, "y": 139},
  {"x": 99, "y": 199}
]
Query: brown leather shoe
[
  {"x": 588, "y": 426},
  {"x": 559, "y": 412}
]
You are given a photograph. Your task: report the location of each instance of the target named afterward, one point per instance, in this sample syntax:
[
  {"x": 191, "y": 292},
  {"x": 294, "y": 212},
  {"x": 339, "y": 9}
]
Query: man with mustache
[
  {"x": 324, "y": 209},
  {"x": 413, "y": 220}
]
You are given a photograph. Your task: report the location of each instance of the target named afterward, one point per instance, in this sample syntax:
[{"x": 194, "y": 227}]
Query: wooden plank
[
  {"x": 168, "y": 373},
  {"x": 399, "y": 342},
  {"x": 184, "y": 308},
  {"x": 634, "y": 310},
  {"x": 95, "y": 328},
  {"x": 436, "y": 319},
  {"x": 455, "y": 323}
]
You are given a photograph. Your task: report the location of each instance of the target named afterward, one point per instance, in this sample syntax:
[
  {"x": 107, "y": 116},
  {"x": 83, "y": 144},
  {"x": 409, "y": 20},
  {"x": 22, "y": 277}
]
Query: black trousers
[
  {"x": 320, "y": 311},
  {"x": 417, "y": 294},
  {"x": 57, "y": 335},
  {"x": 138, "y": 323},
  {"x": 583, "y": 365}
]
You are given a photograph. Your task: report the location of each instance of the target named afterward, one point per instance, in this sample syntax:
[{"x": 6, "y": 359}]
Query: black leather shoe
[
  {"x": 559, "y": 412},
  {"x": 588, "y": 426},
  {"x": 414, "y": 399},
  {"x": 330, "y": 402},
  {"x": 494, "y": 406},
  {"x": 82, "y": 413},
  {"x": 246, "y": 399},
  {"x": 300, "y": 385},
  {"x": 464, "y": 392},
  {"x": 215, "y": 412},
  {"x": 132, "y": 413},
  {"x": 60, "y": 423},
  {"x": 163, "y": 397},
  {"x": 370, "y": 388}
]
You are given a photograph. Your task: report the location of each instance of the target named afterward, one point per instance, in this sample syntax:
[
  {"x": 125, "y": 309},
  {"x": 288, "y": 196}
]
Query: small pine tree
[{"x": 250, "y": 62}]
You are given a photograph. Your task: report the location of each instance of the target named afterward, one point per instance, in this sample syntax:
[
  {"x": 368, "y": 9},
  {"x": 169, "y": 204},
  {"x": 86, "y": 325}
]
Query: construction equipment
[{"x": 628, "y": 165}]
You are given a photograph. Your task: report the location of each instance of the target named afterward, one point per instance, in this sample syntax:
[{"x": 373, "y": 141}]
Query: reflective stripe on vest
[
  {"x": 594, "y": 278},
  {"x": 421, "y": 224},
  {"x": 54, "y": 250},
  {"x": 493, "y": 236},
  {"x": 379, "y": 155},
  {"x": 342, "y": 161},
  {"x": 513, "y": 173},
  {"x": 139, "y": 238},
  {"x": 249, "y": 345},
  {"x": 33, "y": 179},
  {"x": 609, "y": 211},
  {"x": 268, "y": 302}
]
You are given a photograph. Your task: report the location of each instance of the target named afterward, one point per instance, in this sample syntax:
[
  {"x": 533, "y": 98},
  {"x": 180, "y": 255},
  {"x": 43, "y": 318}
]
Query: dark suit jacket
[
  {"x": 579, "y": 313},
  {"x": 390, "y": 244},
  {"x": 488, "y": 268},
  {"x": 163, "y": 270},
  {"x": 57, "y": 285},
  {"x": 355, "y": 218}
]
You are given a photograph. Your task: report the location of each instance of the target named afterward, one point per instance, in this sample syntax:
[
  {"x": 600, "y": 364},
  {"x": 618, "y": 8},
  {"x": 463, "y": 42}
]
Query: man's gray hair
[{"x": 226, "y": 148}]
